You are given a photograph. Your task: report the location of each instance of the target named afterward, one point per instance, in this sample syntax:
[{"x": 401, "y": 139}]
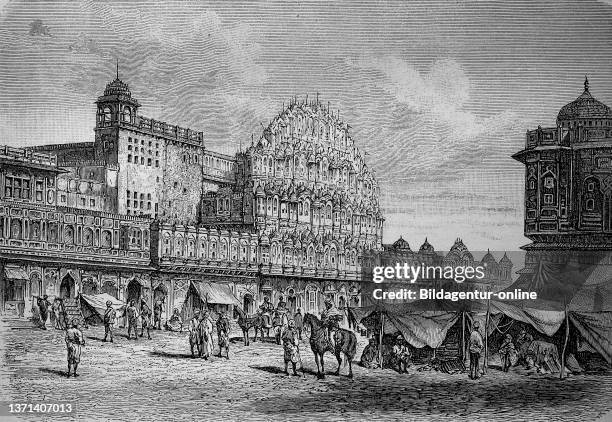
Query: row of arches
[
  {"x": 70, "y": 234},
  {"x": 213, "y": 248},
  {"x": 300, "y": 167},
  {"x": 328, "y": 256}
]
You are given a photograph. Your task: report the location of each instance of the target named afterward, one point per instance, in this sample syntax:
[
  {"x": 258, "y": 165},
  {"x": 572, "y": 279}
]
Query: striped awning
[{"x": 15, "y": 273}]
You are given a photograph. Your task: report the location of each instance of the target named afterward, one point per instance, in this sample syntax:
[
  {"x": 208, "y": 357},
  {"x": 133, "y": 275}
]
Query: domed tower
[
  {"x": 505, "y": 265},
  {"x": 115, "y": 108},
  {"x": 568, "y": 178}
]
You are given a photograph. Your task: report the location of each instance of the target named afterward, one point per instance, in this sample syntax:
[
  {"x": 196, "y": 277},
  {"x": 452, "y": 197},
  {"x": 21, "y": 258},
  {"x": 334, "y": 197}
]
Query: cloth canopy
[
  {"x": 15, "y": 273},
  {"x": 94, "y": 306},
  {"x": 421, "y": 322},
  {"x": 215, "y": 293},
  {"x": 583, "y": 291}
]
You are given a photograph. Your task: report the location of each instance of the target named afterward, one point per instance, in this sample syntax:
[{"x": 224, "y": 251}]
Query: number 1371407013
[{"x": 13, "y": 408}]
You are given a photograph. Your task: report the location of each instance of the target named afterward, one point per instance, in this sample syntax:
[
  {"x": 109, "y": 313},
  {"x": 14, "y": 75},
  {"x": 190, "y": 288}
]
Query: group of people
[
  {"x": 43, "y": 310},
  {"x": 200, "y": 333},
  {"x": 132, "y": 315},
  {"x": 398, "y": 354}
]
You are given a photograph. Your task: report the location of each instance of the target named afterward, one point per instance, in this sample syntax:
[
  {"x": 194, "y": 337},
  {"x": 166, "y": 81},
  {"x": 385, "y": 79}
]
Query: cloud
[
  {"x": 442, "y": 93},
  {"x": 38, "y": 29}
]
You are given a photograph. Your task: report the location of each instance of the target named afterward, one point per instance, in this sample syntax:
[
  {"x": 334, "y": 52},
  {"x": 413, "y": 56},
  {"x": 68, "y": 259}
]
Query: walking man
[
  {"x": 299, "y": 322},
  {"x": 109, "y": 320},
  {"x": 476, "y": 346},
  {"x": 74, "y": 342},
  {"x": 145, "y": 317},
  {"x": 132, "y": 315}
]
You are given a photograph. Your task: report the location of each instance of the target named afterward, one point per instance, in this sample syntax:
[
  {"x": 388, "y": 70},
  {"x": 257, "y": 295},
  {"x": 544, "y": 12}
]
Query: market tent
[
  {"x": 422, "y": 322},
  {"x": 206, "y": 295},
  {"x": 215, "y": 293},
  {"x": 582, "y": 293},
  {"x": 93, "y": 307}
]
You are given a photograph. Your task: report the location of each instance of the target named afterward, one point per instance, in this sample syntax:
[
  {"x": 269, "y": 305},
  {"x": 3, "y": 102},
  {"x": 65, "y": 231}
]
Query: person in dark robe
[
  {"x": 369, "y": 357},
  {"x": 299, "y": 322},
  {"x": 175, "y": 323},
  {"x": 157, "y": 313},
  {"x": 505, "y": 352},
  {"x": 43, "y": 309},
  {"x": 476, "y": 345}
]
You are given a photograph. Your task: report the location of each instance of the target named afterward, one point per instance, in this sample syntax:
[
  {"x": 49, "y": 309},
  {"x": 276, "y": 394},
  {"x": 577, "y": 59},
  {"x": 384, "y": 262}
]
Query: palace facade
[
  {"x": 146, "y": 210},
  {"x": 568, "y": 185}
]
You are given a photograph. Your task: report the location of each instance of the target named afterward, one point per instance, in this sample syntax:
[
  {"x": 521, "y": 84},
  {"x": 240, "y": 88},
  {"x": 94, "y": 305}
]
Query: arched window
[
  {"x": 166, "y": 244},
  {"x": 191, "y": 248},
  {"x": 178, "y": 249},
  {"x": 107, "y": 114},
  {"x": 213, "y": 249},
  {"x": 244, "y": 252},
  {"x": 69, "y": 235},
  {"x": 127, "y": 114},
  {"x": 223, "y": 253},
  {"x": 87, "y": 237},
  {"x": 107, "y": 239},
  {"x": 52, "y": 232},
  {"x": 234, "y": 250},
  {"x": 203, "y": 248}
]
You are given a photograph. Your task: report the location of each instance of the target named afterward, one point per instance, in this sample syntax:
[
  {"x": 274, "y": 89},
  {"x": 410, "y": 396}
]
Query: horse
[
  {"x": 223, "y": 329},
  {"x": 280, "y": 323},
  {"x": 246, "y": 322},
  {"x": 345, "y": 343}
]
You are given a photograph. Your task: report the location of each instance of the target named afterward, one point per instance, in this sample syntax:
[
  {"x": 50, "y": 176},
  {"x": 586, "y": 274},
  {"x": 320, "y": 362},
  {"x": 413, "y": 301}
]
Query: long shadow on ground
[{"x": 535, "y": 399}]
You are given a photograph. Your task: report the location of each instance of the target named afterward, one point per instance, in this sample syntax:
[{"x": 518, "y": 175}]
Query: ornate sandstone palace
[
  {"x": 568, "y": 186},
  {"x": 147, "y": 211}
]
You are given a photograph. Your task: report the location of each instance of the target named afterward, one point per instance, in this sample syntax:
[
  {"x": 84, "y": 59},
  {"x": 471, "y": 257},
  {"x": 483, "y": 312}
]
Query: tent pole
[
  {"x": 380, "y": 340},
  {"x": 486, "y": 356},
  {"x": 463, "y": 336},
  {"x": 562, "y": 372}
]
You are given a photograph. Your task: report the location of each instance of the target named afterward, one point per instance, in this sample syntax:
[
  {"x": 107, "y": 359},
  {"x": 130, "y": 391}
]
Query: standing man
[
  {"x": 43, "y": 308},
  {"x": 206, "y": 330},
  {"x": 194, "y": 333},
  {"x": 74, "y": 342},
  {"x": 506, "y": 351},
  {"x": 145, "y": 317},
  {"x": 299, "y": 322},
  {"x": 476, "y": 346},
  {"x": 132, "y": 316},
  {"x": 109, "y": 320},
  {"x": 157, "y": 311},
  {"x": 223, "y": 332},
  {"x": 290, "y": 347}
]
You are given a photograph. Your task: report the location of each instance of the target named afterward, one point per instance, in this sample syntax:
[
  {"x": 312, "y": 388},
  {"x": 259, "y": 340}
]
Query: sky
[{"x": 439, "y": 94}]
